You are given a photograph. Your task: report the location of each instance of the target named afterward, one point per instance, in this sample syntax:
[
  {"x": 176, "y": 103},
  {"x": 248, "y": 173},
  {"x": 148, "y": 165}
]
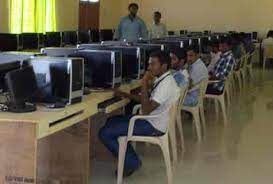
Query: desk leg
[
  {"x": 64, "y": 157},
  {"x": 17, "y": 153}
]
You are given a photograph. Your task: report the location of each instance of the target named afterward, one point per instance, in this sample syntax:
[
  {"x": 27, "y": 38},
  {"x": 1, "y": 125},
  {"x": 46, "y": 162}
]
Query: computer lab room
[{"x": 136, "y": 92}]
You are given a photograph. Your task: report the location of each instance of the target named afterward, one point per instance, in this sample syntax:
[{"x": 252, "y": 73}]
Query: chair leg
[
  {"x": 172, "y": 134},
  {"x": 203, "y": 119},
  {"x": 196, "y": 119},
  {"x": 180, "y": 129},
  {"x": 264, "y": 62},
  {"x": 216, "y": 109},
  {"x": 223, "y": 107},
  {"x": 166, "y": 154},
  {"x": 121, "y": 158}
]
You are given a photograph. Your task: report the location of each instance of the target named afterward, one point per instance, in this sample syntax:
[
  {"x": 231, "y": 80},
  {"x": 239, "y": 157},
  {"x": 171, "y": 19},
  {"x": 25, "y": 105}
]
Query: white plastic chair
[
  {"x": 198, "y": 110},
  {"x": 172, "y": 129},
  {"x": 162, "y": 141},
  {"x": 221, "y": 100}
]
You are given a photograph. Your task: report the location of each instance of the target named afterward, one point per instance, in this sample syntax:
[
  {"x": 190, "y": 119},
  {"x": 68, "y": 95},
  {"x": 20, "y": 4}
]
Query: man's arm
[
  {"x": 132, "y": 97},
  {"x": 144, "y": 30},
  {"x": 147, "y": 105},
  {"x": 117, "y": 34}
]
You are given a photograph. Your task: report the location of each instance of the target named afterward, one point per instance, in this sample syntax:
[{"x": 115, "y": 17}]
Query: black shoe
[{"x": 129, "y": 172}]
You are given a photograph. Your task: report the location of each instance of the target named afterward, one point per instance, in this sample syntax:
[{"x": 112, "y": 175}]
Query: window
[{"x": 29, "y": 16}]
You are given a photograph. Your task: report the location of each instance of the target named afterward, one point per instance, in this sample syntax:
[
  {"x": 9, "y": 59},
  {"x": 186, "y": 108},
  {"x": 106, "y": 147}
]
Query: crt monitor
[
  {"x": 69, "y": 38},
  {"x": 132, "y": 58},
  {"x": 84, "y": 37},
  {"x": 20, "y": 90},
  {"x": 8, "y": 42},
  {"x": 103, "y": 68},
  {"x": 106, "y": 34},
  {"x": 53, "y": 39},
  {"x": 59, "y": 79},
  {"x": 30, "y": 40},
  {"x": 5, "y": 67}
]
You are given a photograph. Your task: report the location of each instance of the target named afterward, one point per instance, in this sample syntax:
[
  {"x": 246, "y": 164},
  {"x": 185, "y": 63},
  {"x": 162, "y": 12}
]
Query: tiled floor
[{"x": 241, "y": 153}]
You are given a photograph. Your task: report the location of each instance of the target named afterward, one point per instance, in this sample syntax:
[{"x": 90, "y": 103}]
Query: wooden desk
[{"x": 47, "y": 146}]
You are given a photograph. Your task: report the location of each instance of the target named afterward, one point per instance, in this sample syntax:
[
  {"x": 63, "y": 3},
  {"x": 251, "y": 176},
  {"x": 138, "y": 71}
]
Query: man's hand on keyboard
[{"x": 118, "y": 93}]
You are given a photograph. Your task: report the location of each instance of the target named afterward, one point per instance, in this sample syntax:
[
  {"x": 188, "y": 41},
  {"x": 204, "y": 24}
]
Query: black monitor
[
  {"x": 205, "y": 44},
  {"x": 69, "y": 38},
  {"x": 170, "y": 33},
  {"x": 8, "y": 42},
  {"x": 95, "y": 35},
  {"x": 53, "y": 39},
  {"x": 30, "y": 40},
  {"x": 84, "y": 37},
  {"x": 59, "y": 79},
  {"x": 21, "y": 91},
  {"x": 5, "y": 67},
  {"x": 103, "y": 68},
  {"x": 133, "y": 63},
  {"x": 41, "y": 40},
  {"x": 59, "y": 51},
  {"x": 148, "y": 49},
  {"x": 106, "y": 34}
]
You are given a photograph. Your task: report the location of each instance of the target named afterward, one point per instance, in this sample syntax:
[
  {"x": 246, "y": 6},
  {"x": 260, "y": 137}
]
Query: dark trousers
[{"x": 118, "y": 126}]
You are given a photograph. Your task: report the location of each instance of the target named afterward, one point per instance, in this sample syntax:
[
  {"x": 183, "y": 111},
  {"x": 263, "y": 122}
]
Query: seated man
[
  {"x": 180, "y": 73},
  {"x": 215, "y": 56},
  {"x": 222, "y": 68},
  {"x": 198, "y": 72},
  {"x": 155, "y": 99}
]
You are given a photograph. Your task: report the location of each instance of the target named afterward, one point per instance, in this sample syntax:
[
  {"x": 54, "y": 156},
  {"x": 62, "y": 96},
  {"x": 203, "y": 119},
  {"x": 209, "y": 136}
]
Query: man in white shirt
[
  {"x": 268, "y": 40},
  {"x": 158, "y": 29},
  {"x": 155, "y": 99}
]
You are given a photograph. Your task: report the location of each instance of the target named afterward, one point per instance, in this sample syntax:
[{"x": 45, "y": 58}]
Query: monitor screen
[
  {"x": 6, "y": 67},
  {"x": 20, "y": 90}
]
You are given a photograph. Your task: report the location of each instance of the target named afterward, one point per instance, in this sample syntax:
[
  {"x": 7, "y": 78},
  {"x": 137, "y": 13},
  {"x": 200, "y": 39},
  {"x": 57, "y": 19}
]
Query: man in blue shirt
[
  {"x": 198, "y": 72},
  {"x": 131, "y": 27},
  {"x": 180, "y": 73}
]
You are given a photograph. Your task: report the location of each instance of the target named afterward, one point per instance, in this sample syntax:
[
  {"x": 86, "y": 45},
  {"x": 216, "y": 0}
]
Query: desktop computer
[
  {"x": 17, "y": 56},
  {"x": 133, "y": 65},
  {"x": 59, "y": 79},
  {"x": 59, "y": 51},
  {"x": 103, "y": 68}
]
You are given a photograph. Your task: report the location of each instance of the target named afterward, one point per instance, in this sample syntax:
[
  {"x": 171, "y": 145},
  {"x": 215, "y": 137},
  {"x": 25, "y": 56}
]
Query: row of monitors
[
  {"x": 13, "y": 42},
  {"x": 63, "y": 72}
]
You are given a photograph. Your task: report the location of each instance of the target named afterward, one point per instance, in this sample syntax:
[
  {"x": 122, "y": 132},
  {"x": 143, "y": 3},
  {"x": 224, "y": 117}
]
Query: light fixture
[{"x": 89, "y": 1}]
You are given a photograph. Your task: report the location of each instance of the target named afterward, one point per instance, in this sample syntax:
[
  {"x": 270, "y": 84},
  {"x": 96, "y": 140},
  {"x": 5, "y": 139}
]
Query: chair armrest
[
  {"x": 136, "y": 108},
  {"x": 133, "y": 121},
  {"x": 196, "y": 87},
  {"x": 214, "y": 81}
]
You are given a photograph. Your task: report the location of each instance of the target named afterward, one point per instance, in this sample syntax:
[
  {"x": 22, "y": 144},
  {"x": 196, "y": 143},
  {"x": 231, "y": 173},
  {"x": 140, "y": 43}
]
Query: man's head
[
  {"x": 192, "y": 54},
  {"x": 157, "y": 17},
  {"x": 159, "y": 63},
  {"x": 215, "y": 47},
  {"x": 225, "y": 44},
  {"x": 133, "y": 9},
  {"x": 179, "y": 58}
]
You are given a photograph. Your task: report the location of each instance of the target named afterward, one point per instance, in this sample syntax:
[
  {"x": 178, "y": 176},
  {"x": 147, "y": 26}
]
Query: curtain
[{"x": 30, "y": 16}]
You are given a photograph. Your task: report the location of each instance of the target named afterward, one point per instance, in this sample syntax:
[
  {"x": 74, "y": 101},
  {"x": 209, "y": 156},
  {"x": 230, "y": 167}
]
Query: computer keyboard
[{"x": 109, "y": 102}]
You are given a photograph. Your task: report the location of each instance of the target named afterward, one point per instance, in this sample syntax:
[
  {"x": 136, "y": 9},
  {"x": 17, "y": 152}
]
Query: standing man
[
  {"x": 158, "y": 29},
  {"x": 131, "y": 27}
]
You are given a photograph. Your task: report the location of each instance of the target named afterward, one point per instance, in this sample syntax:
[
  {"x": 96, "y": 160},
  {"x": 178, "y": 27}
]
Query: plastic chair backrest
[
  {"x": 203, "y": 89},
  {"x": 268, "y": 51}
]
